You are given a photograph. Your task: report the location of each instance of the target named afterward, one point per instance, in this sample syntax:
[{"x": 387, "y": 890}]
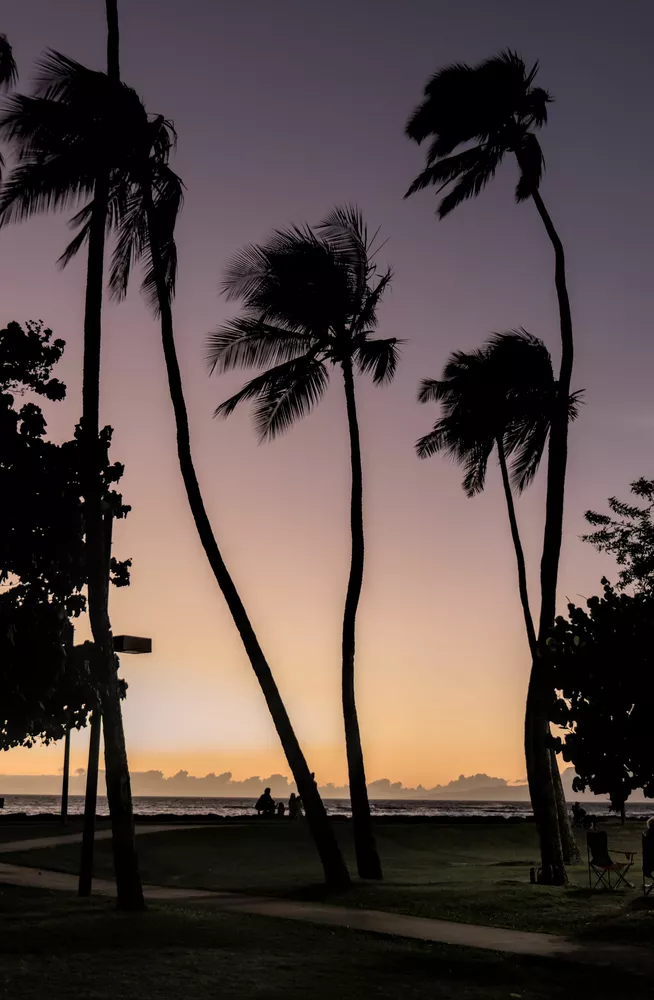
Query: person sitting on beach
[
  {"x": 281, "y": 808},
  {"x": 578, "y": 814},
  {"x": 294, "y": 806},
  {"x": 265, "y": 804}
]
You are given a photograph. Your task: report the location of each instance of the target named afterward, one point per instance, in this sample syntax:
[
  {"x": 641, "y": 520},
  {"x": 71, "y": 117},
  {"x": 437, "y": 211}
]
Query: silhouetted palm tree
[
  {"x": 485, "y": 112},
  {"x": 311, "y": 298},
  {"x": 73, "y": 139},
  {"x": 500, "y": 397},
  {"x": 150, "y": 200}
]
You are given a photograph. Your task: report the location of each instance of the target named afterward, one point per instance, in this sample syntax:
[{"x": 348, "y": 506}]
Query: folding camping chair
[
  {"x": 601, "y": 865},
  {"x": 648, "y": 864}
]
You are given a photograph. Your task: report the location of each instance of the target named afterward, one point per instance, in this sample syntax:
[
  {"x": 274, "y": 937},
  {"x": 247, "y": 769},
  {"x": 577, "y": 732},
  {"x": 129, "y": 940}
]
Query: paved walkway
[
  {"x": 36, "y": 843},
  {"x": 499, "y": 939}
]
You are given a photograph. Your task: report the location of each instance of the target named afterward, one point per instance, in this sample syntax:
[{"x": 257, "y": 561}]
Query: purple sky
[{"x": 284, "y": 109}]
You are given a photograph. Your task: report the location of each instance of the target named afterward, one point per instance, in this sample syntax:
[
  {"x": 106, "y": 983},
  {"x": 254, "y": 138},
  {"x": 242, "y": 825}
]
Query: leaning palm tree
[
  {"x": 474, "y": 116},
  {"x": 500, "y": 398},
  {"x": 148, "y": 200},
  {"x": 73, "y": 138},
  {"x": 311, "y": 298}
]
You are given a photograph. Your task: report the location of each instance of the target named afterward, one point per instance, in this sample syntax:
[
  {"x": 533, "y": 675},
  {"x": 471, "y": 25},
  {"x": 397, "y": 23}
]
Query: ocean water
[{"x": 32, "y": 805}]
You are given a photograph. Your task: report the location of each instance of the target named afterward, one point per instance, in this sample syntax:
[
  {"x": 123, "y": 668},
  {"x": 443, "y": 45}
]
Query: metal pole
[
  {"x": 64, "y": 783},
  {"x": 90, "y": 803}
]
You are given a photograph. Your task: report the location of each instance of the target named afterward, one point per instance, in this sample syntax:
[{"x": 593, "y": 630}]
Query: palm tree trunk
[
  {"x": 568, "y": 841},
  {"x": 128, "y": 882},
  {"x": 113, "y": 40},
  {"x": 90, "y": 807},
  {"x": 65, "y": 778},
  {"x": 336, "y": 873},
  {"x": 537, "y": 728},
  {"x": 368, "y": 863}
]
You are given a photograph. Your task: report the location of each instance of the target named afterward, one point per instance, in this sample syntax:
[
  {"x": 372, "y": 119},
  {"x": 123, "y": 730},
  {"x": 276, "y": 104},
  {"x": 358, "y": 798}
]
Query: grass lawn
[
  {"x": 476, "y": 873},
  {"x": 57, "y": 946}
]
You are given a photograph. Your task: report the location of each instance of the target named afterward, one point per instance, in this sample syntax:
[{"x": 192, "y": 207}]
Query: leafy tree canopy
[
  {"x": 604, "y": 672},
  {"x": 45, "y": 687},
  {"x": 628, "y": 534}
]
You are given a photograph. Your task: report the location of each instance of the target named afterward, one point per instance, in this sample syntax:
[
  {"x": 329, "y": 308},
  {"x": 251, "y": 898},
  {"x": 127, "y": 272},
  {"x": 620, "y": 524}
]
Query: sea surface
[{"x": 32, "y": 805}]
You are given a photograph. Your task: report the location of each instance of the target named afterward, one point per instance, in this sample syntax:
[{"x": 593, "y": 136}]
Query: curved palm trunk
[
  {"x": 128, "y": 883},
  {"x": 569, "y": 844},
  {"x": 537, "y": 726},
  {"x": 368, "y": 863},
  {"x": 336, "y": 873}
]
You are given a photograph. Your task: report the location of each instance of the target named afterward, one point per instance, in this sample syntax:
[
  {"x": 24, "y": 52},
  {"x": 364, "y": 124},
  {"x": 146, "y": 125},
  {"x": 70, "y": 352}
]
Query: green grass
[
  {"x": 61, "y": 947},
  {"x": 476, "y": 873}
]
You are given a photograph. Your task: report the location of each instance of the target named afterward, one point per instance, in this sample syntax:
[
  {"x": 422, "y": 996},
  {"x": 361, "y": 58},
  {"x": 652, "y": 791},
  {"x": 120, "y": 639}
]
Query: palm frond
[
  {"x": 8, "y": 67},
  {"x": 288, "y": 400},
  {"x": 471, "y": 183},
  {"x": 366, "y": 318},
  {"x": 31, "y": 188},
  {"x": 378, "y": 357},
  {"x": 285, "y": 393},
  {"x": 346, "y": 233},
  {"x": 429, "y": 390},
  {"x": 248, "y": 342}
]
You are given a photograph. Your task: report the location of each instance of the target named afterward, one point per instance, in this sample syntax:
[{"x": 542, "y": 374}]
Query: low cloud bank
[{"x": 480, "y": 787}]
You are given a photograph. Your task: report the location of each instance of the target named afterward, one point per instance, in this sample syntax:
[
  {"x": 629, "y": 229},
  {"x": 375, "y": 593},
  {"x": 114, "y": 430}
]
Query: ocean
[{"x": 32, "y": 805}]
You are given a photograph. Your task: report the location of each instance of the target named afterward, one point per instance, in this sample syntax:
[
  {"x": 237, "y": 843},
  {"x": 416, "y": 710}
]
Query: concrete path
[
  {"x": 35, "y": 843},
  {"x": 498, "y": 939}
]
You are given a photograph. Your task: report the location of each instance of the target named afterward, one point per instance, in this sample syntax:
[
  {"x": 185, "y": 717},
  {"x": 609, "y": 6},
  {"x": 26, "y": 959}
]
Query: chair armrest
[{"x": 627, "y": 854}]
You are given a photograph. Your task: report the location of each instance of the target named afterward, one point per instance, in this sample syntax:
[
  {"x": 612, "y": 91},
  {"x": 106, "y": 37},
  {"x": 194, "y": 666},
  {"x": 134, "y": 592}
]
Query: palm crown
[
  {"x": 77, "y": 124},
  {"x": 503, "y": 392},
  {"x": 489, "y": 109},
  {"x": 310, "y": 298}
]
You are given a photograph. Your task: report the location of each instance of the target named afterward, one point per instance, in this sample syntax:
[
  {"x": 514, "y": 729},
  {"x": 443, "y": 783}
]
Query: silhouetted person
[
  {"x": 294, "y": 806},
  {"x": 265, "y": 804},
  {"x": 578, "y": 814},
  {"x": 281, "y": 808},
  {"x": 649, "y": 829}
]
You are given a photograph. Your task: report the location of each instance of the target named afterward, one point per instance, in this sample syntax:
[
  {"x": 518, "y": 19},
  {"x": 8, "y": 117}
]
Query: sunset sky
[{"x": 284, "y": 109}]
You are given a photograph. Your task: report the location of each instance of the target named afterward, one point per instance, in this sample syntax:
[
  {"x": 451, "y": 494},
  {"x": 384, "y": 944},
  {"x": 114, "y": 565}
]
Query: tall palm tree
[
  {"x": 500, "y": 398},
  {"x": 310, "y": 301},
  {"x": 149, "y": 200},
  {"x": 474, "y": 116},
  {"x": 72, "y": 138}
]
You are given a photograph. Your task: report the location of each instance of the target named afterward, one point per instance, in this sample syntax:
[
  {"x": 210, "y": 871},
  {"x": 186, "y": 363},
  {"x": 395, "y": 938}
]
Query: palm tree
[
  {"x": 150, "y": 198},
  {"x": 72, "y": 139},
  {"x": 311, "y": 298},
  {"x": 485, "y": 112},
  {"x": 501, "y": 398}
]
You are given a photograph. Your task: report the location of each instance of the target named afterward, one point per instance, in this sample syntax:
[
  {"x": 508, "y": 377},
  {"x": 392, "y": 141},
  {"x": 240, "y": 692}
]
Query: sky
[{"x": 283, "y": 110}]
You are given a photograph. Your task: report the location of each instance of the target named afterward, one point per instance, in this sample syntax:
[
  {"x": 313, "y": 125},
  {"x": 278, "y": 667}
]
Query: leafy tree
[
  {"x": 73, "y": 138},
  {"x": 603, "y": 669},
  {"x": 311, "y": 298},
  {"x": 475, "y": 116},
  {"x": 500, "y": 398},
  {"x": 46, "y": 686},
  {"x": 629, "y": 536}
]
